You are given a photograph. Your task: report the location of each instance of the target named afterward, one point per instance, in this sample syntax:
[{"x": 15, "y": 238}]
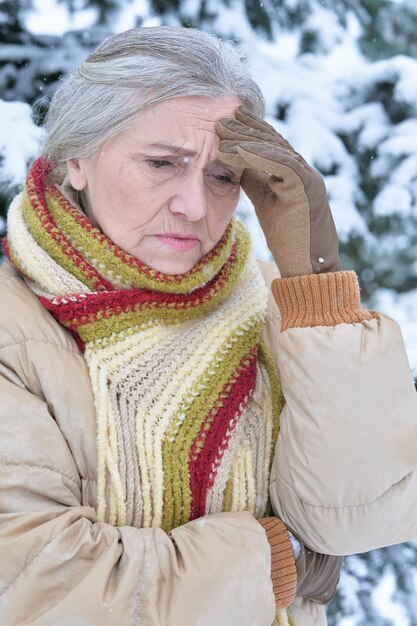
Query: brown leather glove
[
  {"x": 312, "y": 575},
  {"x": 289, "y": 196}
]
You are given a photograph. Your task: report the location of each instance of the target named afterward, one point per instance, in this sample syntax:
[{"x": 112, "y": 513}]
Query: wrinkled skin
[{"x": 168, "y": 205}]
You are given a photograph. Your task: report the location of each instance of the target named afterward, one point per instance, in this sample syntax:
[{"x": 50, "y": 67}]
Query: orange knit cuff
[
  {"x": 319, "y": 300},
  {"x": 283, "y": 569}
]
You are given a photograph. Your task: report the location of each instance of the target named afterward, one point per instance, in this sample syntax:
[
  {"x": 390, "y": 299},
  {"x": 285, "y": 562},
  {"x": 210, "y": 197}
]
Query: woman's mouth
[{"x": 179, "y": 242}]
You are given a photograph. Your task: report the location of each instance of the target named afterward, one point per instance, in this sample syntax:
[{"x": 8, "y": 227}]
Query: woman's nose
[{"x": 189, "y": 199}]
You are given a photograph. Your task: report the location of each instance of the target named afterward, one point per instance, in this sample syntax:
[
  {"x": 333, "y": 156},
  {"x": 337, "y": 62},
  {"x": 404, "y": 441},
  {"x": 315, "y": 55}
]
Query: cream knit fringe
[{"x": 282, "y": 618}]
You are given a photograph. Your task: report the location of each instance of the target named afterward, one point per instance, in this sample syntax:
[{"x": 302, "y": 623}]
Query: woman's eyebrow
[
  {"x": 180, "y": 151},
  {"x": 173, "y": 149}
]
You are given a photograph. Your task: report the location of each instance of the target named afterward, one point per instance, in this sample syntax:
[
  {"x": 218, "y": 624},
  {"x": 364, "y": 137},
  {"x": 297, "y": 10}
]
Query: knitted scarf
[{"x": 186, "y": 395}]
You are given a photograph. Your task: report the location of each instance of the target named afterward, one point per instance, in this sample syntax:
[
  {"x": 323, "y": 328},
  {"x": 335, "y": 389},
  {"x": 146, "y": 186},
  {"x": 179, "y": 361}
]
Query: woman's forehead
[
  {"x": 185, "y": 113},
  {"x": 180, "y": 125},
  {"x": 209, "y": 108}
]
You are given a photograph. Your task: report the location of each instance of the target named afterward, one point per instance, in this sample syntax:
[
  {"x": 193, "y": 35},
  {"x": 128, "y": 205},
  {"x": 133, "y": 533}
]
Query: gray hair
[{"x": 134, "y": 70}]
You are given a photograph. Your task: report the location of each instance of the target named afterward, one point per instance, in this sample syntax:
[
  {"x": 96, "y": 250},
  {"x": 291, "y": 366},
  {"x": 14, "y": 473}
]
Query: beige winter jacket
[{"x": 344, "y": 478}]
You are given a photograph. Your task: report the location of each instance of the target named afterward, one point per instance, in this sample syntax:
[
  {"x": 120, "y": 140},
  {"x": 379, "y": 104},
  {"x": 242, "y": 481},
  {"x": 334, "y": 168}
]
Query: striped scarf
[{"x": 186, "y": 395}]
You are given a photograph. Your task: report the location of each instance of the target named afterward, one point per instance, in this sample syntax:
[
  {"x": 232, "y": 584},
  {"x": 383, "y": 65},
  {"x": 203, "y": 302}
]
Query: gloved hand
[
  {"x": 317, "y": 575},
  {"x": 311, "y": 575},
  {"x": 289, "y": 196}
]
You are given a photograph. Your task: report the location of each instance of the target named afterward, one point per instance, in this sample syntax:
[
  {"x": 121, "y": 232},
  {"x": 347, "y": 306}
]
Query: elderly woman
[{"x": 140, "y": 351}]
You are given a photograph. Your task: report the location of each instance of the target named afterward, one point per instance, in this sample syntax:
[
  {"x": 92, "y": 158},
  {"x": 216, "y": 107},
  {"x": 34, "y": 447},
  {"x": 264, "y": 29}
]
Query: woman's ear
[{"x": 76, "y": 174}]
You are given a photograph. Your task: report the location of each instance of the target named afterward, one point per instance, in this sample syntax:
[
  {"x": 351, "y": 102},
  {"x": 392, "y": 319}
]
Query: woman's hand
[
  {"x": 289, "y": 196},
  {"x": 311, "y": 575}
]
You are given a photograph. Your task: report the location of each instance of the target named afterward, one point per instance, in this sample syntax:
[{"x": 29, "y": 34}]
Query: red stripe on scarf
[
  {"x": 76, "y": 310},
  {"x": 212, "y": 441}
]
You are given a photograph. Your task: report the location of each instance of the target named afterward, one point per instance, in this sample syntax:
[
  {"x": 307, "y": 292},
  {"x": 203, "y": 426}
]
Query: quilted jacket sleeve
[
  {"x": 58, "y": 565},
  {"x": 345, "y": 470}
]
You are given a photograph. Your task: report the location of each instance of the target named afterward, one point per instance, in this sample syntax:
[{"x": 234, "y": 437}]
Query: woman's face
[{"x": 157, "y": 189}]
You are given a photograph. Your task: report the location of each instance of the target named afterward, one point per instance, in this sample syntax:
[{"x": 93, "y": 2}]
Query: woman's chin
[{"x": 174, "y": 266}]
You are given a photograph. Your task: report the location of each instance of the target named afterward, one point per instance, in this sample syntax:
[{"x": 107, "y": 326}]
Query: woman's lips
[{"x": 181, "y": 243}]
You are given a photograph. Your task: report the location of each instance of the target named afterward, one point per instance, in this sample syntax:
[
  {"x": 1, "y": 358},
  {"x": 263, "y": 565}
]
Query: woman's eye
[
  {"x": 227, "y": 180},
  {"x": 158, "y": 163}
]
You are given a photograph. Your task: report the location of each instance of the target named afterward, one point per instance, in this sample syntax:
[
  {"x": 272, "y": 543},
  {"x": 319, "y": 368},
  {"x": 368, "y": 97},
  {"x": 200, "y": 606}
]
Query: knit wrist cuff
[
  {"x": 283, "y": 569},
  {"x": 319, "y": 300}
]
